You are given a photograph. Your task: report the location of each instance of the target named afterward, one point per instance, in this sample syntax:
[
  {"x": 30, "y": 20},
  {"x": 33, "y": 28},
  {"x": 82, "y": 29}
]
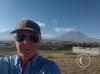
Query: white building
[{"x": 86, "y": 50}]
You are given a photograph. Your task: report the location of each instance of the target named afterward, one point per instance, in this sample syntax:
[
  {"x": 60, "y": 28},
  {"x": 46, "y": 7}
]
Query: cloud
[
  {"x": 41, "y": 24},
  {"x": 95, "y": 36},
  {"x": 57, "y": 29},
  {"x": 47, "y": 36}
]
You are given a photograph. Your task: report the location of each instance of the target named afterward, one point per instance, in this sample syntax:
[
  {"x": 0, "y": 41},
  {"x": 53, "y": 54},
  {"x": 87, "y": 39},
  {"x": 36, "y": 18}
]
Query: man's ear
[{"x": 40, "y": 38}]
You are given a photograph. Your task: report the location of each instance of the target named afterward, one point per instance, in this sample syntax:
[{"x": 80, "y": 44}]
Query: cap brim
[{"x": 22, "y": 29}]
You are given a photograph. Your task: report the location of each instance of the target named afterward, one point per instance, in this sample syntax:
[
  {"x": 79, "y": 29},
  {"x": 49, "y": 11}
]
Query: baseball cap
[{"x": 26, "y": 24}]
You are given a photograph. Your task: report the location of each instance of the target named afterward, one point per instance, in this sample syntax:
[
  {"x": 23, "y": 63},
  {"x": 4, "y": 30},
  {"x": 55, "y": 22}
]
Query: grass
[{"x": 66, "y": 61}]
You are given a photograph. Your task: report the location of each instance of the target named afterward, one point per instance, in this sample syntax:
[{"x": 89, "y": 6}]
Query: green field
[{"x": 66, "y": 60}]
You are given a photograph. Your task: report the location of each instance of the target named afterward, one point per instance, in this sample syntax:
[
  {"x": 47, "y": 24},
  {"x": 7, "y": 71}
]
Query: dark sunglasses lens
[
  {"x": 20, "y": 37},
  {"x": 34, "y": 38}
]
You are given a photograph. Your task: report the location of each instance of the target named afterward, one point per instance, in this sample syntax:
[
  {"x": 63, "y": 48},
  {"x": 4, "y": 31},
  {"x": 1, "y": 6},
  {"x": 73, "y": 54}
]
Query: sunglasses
[{"x": 33, "y": 37}]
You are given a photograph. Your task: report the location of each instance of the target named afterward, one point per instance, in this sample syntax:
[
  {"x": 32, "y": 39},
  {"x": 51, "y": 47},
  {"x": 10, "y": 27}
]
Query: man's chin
[{"x": 24, "y": 52}]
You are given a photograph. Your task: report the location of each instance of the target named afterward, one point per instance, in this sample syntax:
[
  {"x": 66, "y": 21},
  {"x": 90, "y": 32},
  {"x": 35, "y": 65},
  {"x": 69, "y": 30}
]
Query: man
[{"x": 27, "y": 60}]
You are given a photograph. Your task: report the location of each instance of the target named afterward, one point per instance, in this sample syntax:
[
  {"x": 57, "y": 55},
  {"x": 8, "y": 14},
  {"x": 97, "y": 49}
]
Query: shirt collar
[{"x": 33, "y": 61}]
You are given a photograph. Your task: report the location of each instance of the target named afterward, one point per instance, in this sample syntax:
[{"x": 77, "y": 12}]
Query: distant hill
[{"x": 6, "y": 36}]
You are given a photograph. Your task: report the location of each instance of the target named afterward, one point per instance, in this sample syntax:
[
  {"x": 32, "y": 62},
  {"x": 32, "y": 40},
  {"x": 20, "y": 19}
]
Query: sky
[{"x": 55, "y": 17}]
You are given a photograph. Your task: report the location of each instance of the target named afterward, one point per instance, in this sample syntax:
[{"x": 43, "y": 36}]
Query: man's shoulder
[
  {"x": 49, "y": 65},
  {"x": 45, "y": 59},
  {"x": 47, "y": 62}
]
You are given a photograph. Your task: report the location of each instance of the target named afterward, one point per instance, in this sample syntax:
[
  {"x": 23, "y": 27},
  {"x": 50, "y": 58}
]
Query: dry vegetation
[{"x": 67, "y": 61}]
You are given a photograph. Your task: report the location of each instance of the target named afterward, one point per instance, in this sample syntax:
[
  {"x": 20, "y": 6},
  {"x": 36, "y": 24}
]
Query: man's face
[{"x": 26, "y": 42}]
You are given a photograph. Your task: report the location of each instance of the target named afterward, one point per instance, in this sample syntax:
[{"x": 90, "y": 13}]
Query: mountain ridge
[
  {"x": 70, "y": 36},
  {"x": 77, "y": 37}
]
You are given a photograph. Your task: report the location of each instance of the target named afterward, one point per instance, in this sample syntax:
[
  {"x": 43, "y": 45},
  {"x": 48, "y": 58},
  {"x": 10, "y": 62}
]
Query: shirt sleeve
[
  {"x": 4, "y": 65},
  {"x": 52, "y": 68}
]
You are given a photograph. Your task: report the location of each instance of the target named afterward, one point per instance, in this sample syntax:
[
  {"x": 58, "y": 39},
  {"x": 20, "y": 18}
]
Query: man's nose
[{"x": 27, "y": 41}]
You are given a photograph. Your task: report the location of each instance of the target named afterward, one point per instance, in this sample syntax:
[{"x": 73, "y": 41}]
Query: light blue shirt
[{"x": 38, "y": 65}]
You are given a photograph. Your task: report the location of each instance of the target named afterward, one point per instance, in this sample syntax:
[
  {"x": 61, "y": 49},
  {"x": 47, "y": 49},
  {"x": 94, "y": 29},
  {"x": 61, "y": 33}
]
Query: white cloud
[
  {"x": 5, "y": 30},
  {"x": 41, "y": 24},
  {"x": 58, "y": 29},
  {"x": 47, "y": 36},
  {"x": 95, "y": 36}
]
